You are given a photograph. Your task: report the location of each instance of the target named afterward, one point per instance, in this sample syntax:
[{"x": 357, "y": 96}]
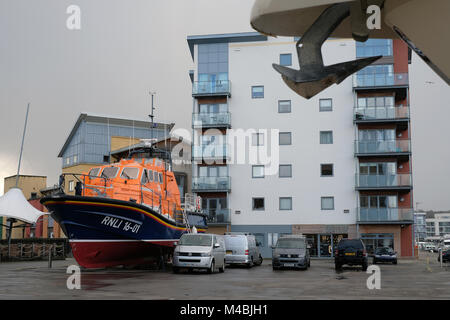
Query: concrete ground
[{"x": 410, "y": 279}]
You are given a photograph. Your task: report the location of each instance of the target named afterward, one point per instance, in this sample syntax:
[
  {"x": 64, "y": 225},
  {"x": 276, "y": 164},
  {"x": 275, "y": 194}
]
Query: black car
[
  {"x": 351, "y": 252},
  {"x": 385, "y": 254},
  {"x": 445, "y": 256}
]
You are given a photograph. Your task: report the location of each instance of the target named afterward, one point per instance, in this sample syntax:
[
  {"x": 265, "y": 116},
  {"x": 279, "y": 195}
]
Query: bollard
[{"x": 50, "y": 256}]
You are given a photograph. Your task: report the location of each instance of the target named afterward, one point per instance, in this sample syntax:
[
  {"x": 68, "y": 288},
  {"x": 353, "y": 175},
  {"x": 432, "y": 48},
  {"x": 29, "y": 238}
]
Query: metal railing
[
  {"x": 385, "y": 214},
  {"x": 381, "y": 113},
  {"x": 210, "y": 151},
  {"x": 380, "y": 80},
  {"x": 382, "y": 146},
  {"x": 219, "y": 87},
  {"x": 200, "y": 120},
  {"x": 383, "y": 181},
  {"x": 211, "y": 183}
]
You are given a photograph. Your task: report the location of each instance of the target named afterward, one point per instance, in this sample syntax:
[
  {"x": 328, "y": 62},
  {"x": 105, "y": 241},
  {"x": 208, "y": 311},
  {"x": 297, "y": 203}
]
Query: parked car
[
  {"x": 351, "y": 252},
  {"x": 430, "y": 247},
  {"x": 199, "y": 251},
  {"x": 385, "y": 254},
  {"x": 291, "y": 251},
  {"x": 241, "y": 249},
  {"x": 445, "y": 256}
]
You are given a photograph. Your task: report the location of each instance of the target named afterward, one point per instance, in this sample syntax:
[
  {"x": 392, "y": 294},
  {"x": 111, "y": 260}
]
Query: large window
[
  {"x": 257, "y": 92},
  {"x": 327, "y": 203},
  {"x": 326, "y": 137},
  {"x": 213, "y": 171},
  {"x": 213, "y": 63},
  {"x": 374, "y": 47},
  {"x": 375, "y": 241},
  {"x": 213, "y": 108},
  {"x": 376, "y": 135},
  {"x": 371, "y": 102}
]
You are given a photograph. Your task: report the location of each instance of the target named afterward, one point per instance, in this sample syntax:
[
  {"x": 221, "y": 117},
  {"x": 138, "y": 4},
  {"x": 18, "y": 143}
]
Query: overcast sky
[{"x": 127, "y": 48}]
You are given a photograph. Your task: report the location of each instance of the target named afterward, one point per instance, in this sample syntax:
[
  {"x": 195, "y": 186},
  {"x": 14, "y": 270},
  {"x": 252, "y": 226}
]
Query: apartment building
[
  {"x": 342, "y": 159},
  {"x": 437, "y": 225}
]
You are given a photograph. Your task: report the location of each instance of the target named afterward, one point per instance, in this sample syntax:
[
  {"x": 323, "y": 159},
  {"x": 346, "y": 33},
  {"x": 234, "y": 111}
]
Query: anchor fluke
[{"x": 313, "y": 76}]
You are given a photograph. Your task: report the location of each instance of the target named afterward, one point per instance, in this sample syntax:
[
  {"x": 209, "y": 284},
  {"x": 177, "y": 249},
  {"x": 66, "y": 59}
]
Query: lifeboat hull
[{"x": 105, "y": 232}]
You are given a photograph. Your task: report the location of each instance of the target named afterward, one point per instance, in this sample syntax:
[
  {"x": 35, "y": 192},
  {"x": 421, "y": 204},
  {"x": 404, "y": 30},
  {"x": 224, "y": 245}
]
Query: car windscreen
[
  {"x": 291, "y": 244},
  {"x": 196, "y": 240},
  {"x": 355, "y": 244},
  {"x": 384, "y": 251},
  {"x": 129, "y": 173}
]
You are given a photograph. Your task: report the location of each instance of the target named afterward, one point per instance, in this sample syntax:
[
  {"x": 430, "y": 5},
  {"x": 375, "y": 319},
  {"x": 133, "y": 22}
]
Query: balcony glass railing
[
  {"x": 383, "y": 181},
  {"x": 218, "y": 216},
  {"x": 200, "y": 120},
  {"x": 385, "y": 214},
  {"x": 210, "y": 151},
  {"x": 211, "y": 183},
  {"x": 219, "y": 87},
  {"x": 382, "y": 146},
  {"x": 381, "y": 113},
  {"x": 380, "y": 79}
]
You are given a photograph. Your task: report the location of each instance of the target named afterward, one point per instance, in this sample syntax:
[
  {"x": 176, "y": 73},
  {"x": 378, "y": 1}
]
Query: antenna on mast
[{"x": 151, "y": 115}]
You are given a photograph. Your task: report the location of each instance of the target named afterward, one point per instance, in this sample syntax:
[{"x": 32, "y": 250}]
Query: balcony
[
  {"x": 211, "y": 88},
  {"x": 381, "y": 114},
  {"x": 218, "y": 216},
  {"x": 401, "y": 181},
  {"x": 385, "y": 216},
  {"x": 210, "y": 151},
  {"x": 383, "y": 147},
  {"x": 380, "y": 80},
  {"x": 211, "y": 184},
  {"x": 211, "y": 120}
]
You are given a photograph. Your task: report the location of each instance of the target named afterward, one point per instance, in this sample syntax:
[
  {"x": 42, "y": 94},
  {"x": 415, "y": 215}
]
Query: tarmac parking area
[{"x": 409, "y": 279}]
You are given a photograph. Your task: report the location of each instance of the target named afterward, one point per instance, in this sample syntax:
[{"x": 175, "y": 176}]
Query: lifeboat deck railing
[{"x": 104, "y": 187}]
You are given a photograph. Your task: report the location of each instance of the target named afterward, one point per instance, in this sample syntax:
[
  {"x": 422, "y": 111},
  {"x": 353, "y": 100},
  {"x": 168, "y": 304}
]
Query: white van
[
  {"x": 199, "y": 251},
  {"x": 241, "y": 248}
]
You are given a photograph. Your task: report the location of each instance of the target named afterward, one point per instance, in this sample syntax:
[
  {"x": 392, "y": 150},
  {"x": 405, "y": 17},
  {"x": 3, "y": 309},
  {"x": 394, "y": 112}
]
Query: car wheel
[
  {"x": 394, "y": 262},
  {"x": 260, "y": 261},
  {"x": 337, "y": 266},
  {"x": 309, "y": 263},
  {"x": 221, "y": 270},
  {"x": 211, "y": 269}
]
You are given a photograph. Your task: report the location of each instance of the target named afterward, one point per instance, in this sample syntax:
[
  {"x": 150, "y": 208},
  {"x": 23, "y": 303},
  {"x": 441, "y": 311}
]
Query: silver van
[
  {"x": 199, "y": 251},
  {"x": 241, "y": 248},
  {"x": 291, "y": 251}
]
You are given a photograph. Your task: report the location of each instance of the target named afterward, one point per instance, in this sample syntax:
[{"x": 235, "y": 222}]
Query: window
[
  {"x": 327, "y": 203},
  {"x": 257, "y": 139},
  {"x": 326, "y": 137},
  {"x": 285, "y": 138},
  {"x": 144, "y": 178},
  {"x": 374, "y": 47},
  {"x": 110, "y": 172},
  {"x": 33, "y": 195},
  {"x": 286, "y": 59},
  {"x": 284, "y": 106},
  {"x": 160, "y": 178},
  {"x": 257, "y": 171},
  {"x": 258, "y": 204},
  {"x": 285, "y": 203},
  {"x": 155, "y": 176},
  {"x": 257, "y": 92},
  {"x": 326, "y": 170},
  {"x": 325, "y": 105},
  {"x": 67, "y": 160},
  {"x": 129, "y": 173},
  {"x": 94, "y": 172},
  {"x": 71, "y": 185},
  {"x": 285, "y": 171},
  {"x": 75, "y": 159},
  {"x": 106, "y": 159}
]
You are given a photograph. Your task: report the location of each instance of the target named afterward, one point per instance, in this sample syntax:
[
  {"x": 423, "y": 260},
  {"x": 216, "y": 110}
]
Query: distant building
[
  {"x": 94, "y": 137},
  {"x": 420, "y": 226},
  {"x": 438, "y": 225}
]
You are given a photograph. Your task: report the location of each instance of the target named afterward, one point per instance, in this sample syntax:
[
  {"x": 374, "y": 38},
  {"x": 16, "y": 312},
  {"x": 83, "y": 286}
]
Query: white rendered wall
[{"x": 251, "y": 64}]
